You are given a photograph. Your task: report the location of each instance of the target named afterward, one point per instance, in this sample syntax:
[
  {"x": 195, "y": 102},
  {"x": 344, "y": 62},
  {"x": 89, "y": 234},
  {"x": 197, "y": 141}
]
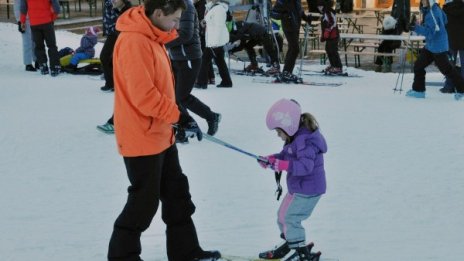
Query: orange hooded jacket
[{"x": 144, "y": 102}]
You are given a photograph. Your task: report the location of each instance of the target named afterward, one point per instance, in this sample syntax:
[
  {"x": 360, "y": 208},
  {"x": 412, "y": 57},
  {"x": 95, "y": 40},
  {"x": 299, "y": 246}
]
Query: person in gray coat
[
  {"x": 186, "y": 56},
  {"x": 28, "y": 44}
]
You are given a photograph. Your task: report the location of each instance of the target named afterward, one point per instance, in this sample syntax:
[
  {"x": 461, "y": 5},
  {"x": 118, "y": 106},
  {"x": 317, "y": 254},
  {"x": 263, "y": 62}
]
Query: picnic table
[{"x": 410, "y": 42}]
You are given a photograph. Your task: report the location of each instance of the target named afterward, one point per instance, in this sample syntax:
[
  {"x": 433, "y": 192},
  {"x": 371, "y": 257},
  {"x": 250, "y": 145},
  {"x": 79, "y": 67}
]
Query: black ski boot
[
  {"x": 278, "y": 252},
  {"x": 304, "y": 254},
  {"x": 213, "y": 124},
  {"x": 207, "y": 255},
  {"x": 287, "y": 77}
]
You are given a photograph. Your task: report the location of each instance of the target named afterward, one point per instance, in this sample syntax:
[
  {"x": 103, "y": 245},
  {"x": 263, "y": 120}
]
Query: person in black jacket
[
  {"x": 290, "y": 13},
  {"x": 106, "y": 54},
  {"x": 390, "y": 27},
  {"x": 247, "y": 36},
  {"x": 454, "y": 10},
  {"x": 186, "y": 55}
]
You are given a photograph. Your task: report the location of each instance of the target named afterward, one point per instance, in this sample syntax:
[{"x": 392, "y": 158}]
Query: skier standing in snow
[
  {"x": 185, "y": 52},
  {"x": 435, "y": 50},
  {"x": 145, "y": 110},
  {"x": 302, "y": 158},
  {"x": 290, "y": 13},
  {"x": 330, "y": 35}
]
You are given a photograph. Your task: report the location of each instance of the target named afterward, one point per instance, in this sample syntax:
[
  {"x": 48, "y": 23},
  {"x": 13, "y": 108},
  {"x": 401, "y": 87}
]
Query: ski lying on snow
[
  {"x": 330, "y": 84},
  {"x": 345, "y": 74},
  {"x": 244, "y": 258}
]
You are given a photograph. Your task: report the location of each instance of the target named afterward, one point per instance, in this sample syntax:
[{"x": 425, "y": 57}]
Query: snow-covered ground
[{"x": 394, "y": 168}]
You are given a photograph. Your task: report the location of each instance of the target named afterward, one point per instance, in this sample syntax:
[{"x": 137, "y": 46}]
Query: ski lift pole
[
  {"x": 305, "y": 44},
  {"x": 230, "y": 146}
]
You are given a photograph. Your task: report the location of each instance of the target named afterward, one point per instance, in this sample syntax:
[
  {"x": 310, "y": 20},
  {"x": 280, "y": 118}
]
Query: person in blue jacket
[{"x": 435, "y": 50}]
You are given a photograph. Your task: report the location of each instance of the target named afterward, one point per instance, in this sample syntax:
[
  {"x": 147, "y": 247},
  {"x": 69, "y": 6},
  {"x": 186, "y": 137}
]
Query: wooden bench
[{"x": 357, "y": 55}]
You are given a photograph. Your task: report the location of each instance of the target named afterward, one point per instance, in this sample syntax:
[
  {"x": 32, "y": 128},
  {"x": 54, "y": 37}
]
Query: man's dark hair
[{"x": 167, "y": 6}]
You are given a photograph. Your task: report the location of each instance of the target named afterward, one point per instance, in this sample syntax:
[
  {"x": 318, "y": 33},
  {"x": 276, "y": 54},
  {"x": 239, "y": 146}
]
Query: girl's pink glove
[
  {"x": 280, "y": 165},
  {"x": 266, "y": 161}
]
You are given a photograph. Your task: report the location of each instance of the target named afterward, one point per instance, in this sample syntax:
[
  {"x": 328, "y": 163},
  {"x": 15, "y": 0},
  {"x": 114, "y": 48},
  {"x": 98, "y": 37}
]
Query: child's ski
[{"x": 303, "y": 82}]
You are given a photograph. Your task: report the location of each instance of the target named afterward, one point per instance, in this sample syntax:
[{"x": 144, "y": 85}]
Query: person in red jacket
[{"x": 42, "y": 14}]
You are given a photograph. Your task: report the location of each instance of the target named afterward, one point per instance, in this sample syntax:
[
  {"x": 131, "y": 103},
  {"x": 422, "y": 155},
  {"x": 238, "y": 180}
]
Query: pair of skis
[{"x": 299, "y": 82}]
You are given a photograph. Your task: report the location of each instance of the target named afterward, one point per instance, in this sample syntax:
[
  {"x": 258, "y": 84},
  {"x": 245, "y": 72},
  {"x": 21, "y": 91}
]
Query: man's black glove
[
  {"x": 20, "y": 27},
  {"x": 188, "y": 126}
]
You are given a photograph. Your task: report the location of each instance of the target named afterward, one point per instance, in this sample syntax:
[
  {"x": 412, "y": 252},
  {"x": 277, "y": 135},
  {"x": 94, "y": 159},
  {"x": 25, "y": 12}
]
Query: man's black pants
[
  {"x": 444, "y": 65},
  {"x": 154, "y": 178}
]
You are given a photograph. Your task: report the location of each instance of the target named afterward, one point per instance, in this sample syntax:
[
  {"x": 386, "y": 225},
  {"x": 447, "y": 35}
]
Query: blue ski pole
[{"x": 230, "y": 146}]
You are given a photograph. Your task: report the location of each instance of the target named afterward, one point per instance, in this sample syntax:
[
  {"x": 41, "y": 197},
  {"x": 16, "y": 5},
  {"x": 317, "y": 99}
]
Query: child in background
[
  {"x": 86, "y": 49},
  {"x": 330, "y": 35},
  {"x": 302, "y": 158}
]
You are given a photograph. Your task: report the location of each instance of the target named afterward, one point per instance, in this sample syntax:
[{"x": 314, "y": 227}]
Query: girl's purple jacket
[{"x": 306, "y": 174}]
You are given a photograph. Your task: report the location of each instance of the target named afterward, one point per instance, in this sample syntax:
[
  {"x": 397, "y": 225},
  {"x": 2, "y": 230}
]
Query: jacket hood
[
  {"x": 134, "y": 20},
  {"x": 315, "y": 137}
]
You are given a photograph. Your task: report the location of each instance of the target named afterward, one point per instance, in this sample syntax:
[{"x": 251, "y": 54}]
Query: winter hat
[
  {"x": 284, "y": 114},
  {"x": 92, "y": 30},
  {"x": 389, "y": 23}
]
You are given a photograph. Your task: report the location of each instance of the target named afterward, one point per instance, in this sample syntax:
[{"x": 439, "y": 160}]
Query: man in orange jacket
[{"x": 144, "y": 113}]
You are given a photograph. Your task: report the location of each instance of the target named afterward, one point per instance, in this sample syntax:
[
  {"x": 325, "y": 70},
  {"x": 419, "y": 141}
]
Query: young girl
[
  {"x": 86, "y": 50},
  {"x": 330, "y": 35},
  {"x": 302, "y": 158}
]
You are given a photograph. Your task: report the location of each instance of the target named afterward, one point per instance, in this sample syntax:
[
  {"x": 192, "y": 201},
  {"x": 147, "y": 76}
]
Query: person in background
[
  {"x": 112, "y": 12},
  {"x": 113, "y": 9},
  {"x": 330, "y": 35},
  {"x": 302, "y": 157},
  {"x": 387, "y": 46},
  {"x": 26, "y": 36},
  {"x": 454, "y": 11},
  {"x": 435, "y": 50},
  {"x": 185, "y": 53},
  {"x": 246, "y": 36},
  {"x": 200, "y": 6},
  {"x": 290, "y": 13},
  {"x": 42, "y": 15},
  {"x": 86, "y": 50},
  {"x": 145, "y": 111},
  {"x": 216, "y": 36}
]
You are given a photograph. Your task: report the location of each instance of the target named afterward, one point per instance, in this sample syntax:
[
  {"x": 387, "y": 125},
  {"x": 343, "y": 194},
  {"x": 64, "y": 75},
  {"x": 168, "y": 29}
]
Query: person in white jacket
[{"x": 216, "y": 36}]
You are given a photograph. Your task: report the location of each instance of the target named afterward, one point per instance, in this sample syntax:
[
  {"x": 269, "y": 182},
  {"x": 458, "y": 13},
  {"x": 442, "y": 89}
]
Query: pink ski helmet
[{"x": 284, "y": 114}]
